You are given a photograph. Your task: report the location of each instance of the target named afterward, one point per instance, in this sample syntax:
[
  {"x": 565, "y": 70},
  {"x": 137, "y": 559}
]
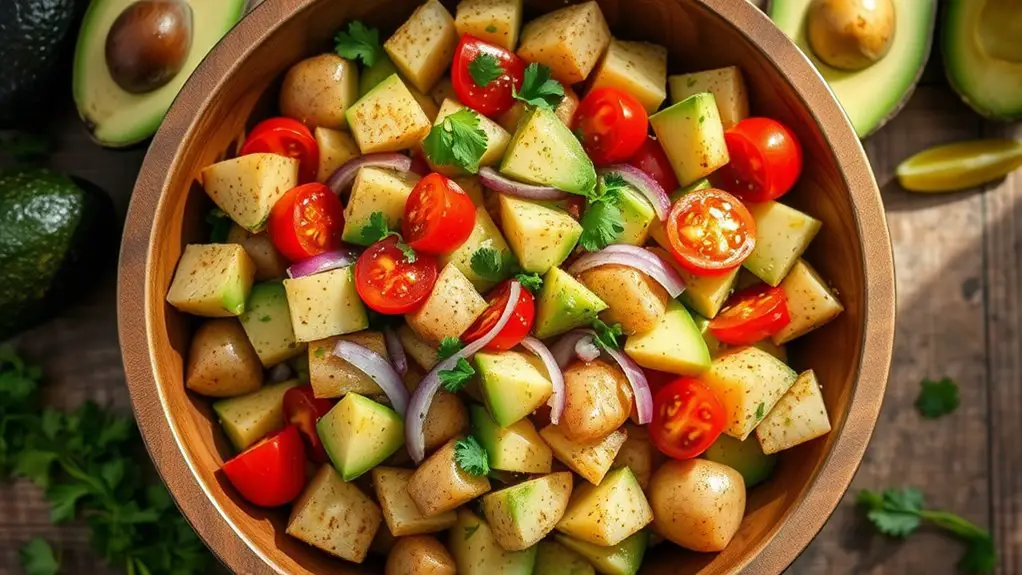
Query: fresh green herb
[
  {"x": 457, "y": 141},
  {"x": 219, "y": 224},
  {"x": 377, "y": 230},
  {"x": 937, "y": 398},
  {"x": 358, "y": 43},
  {"x": 485, "y": 68},
  {"x": 493, "y": 265},
  {"x": 449, "y": 346},
  {"x": 87, "y": 462},
  {"x": 471, "y": 457},
  {"x": 25, "y": 148},
  {"x": 759, "y": 411},
  {"x": 491, "y": 28},
  {"x": 538, "y": 88},
  {"x": 899, "y": 512},
  {"x": 38, "y": 558},
  {"x": 455, "y": 379},
  {"x": 471, "y": 529},
  {"x": 606, "y": 335},
  {"x": 602, "y": 222},
  {"x": 532, "y": 282},
  {"x": 320, "y": 353}
]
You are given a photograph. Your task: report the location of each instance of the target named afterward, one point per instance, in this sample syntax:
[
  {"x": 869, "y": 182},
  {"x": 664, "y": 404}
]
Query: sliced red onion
[
  {"x": 395, "y": 350},
  {"x": 553, "y": 369},
  {"x": 564, "y": 350},
  {"x": 378, "y": 369},
  {"x": 324, "y": 262},
  {"x": 586, "y": 350},
  {"x": 641, "y": 259},
  {"x": 647, "y": 186},
  {"x": 342, "y": 178},
  {"x": 423, "y": 396},
  {"x": 278, "y": 373},
  {"x": 419, "y": 166},
  {"x": 496, "y": 182}
]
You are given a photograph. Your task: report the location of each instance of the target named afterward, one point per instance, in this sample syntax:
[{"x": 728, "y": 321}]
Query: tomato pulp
[
  {"x": 517, "y": 327},
  {"x": 751, "y": 315},
  {"x": 285, "y": 137},
  {"x": 687, "y": 418},
  {"x": 710, "y": 231},
  {"x": 303, "y": 409},
  {"x": 766, "y": 160},
  {"x": 495, "y": 96},
  {"x": 271, "y": 472},
  {"x": 652, "y": 159},
  {"x": 612, "y": 125},
  {"x": 389, "y": 282},
  {"x": 306, "y": 221},
  {"x": 439, "y": 215}
]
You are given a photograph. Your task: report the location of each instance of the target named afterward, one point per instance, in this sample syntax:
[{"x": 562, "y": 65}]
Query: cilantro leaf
[
  {"x": 407, "y": 251},
  {"x": 532, "y": 282},
  {"x": 448, "y": 346},
  {"x": 538, "y": 88},
  {"x": 375, "y": 229},
  {"x": 457, "y": 140},
  {"x": 38, "y": 558},
  {"x": 937, "y": 398},
  {"x": 492, "y": 265},
  {"x": 470, "y": 530},
  {"x": 485, "y": 68},
  {"x": 220, "y": 226},
  {"x": 471, "y": 457},
  {"x": 601, "y": 225},
  {"x": 606, "y": 335},
  {"x": 454, "y": 379},
  {"x": 760, "y": 411},
  {"x": 64, "y": 500},
  {"x": 611, "y": 185},
  {"x": 358, "y": 43}
]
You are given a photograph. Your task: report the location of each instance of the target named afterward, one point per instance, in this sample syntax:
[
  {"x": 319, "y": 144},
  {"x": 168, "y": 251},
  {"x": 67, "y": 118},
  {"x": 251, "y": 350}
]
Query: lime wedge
[{"x": 960, "y": 165}]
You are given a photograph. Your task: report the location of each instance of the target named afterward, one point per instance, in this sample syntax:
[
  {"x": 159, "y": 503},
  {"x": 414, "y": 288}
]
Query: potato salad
[{"x": 496, "y": 297}]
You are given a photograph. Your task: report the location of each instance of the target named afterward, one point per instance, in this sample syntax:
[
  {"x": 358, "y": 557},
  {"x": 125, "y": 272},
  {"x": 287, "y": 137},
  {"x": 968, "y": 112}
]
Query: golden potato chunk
[
  {"x": 423, "y": 47},
  {"x": 570, "y": 41}
]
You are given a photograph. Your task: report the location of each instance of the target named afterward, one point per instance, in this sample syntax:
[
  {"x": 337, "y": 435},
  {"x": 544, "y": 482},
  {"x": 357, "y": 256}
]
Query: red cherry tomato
[
  {"x": 495, "y": 97},
  {"x": 517, "y": 327},
  {"x": 306, "y": 221},
  {"x": 388, "y": 282},
  {"x": 271, "y": 472},
  {"x": 285, "y": 137},
  {"x": 753, "y": 314},
  {"x": 652, "y": 159},
  {"x": 303, "y": 409},
  {"x": 439, "y": 216},
  {"x": 766, "y": 160},
  {"x": 710, "y": 231},
  {"x": 687, "y": 418},
  {"x": 612, "y": 124}
]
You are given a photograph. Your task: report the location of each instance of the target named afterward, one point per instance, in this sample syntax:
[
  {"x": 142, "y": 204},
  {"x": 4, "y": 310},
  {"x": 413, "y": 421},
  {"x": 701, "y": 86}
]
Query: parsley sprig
[
  {"x": 937, "y": 398},
  {"x": 606, "y": 335},
  {"x": 493, "y": 265},
  {"x": 455, "y": 378},
  {"x": 359, "y": 43},
  {"x": 484, "y": 69},
  {"x": 899, "y": 512},
  {"x": 538, "y": 88},
  {"x": 377, "y": 229},
  {"x": 532, "y": 282},
  {"x": 471, "y": 457},
  {"x": 448, "y": 346},
  {"x": 457, "y": 140},
  {"x": 602, "y": 222}
]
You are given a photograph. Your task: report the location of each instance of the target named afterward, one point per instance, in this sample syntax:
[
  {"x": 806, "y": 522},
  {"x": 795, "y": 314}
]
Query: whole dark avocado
[{"x": 54, "y": 235}]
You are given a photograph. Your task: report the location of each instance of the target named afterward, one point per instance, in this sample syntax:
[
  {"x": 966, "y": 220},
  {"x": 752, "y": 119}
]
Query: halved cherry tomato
[
  {"x": 285, "y": 137},
  {"x": 271, "y": 472},
  {"x": 766, "y": 160},
  {"x": 439, "y": 215},
  {"x": 303, "y": 409},
  {"x": 612, "y": 125},
  {"x": 750, "y": 315},
  {"x": 495, "y": 97},
  {"x": 687, "y": 418},
  {"x": 652, "y": 159},
  {"x": 306, "y": 221},
  {"x": 388, "y": 282},
  {"x": 517, "y": 327},
  {"x": 710, "y": 231}
]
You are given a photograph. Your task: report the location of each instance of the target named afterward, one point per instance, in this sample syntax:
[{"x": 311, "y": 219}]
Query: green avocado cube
[
  {"x": 513, "y": 384},
  {"x": 543, "y": 151},
  {"x": 564, "y": 303},
  {"x": 552, "y": 558},
  {"x": 359, "y": 434},
  {"x": 692, "y": 136},
  {"x": 517, "y": 447},
  {"x": 621, "y": 559},
  {"x": 541, "y": 235},
  {"x": 267, "y": 322},
  {"x": 782, "y": 235},
  {"x": 248, "y": 418},
  {"x": 636, "y": 216}
]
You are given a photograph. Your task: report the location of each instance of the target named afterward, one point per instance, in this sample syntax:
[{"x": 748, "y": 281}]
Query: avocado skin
[
  {"x": 34, "y": 38},
  {"x": 55, "y": 232}
]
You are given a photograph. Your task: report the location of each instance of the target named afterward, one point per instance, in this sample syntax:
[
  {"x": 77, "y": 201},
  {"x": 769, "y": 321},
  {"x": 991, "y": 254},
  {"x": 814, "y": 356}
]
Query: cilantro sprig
[
  {"x": 471, "y": 457},
  {"x": 937, "y": 398},
  {"x": 484, "y": 69},
  {"x": 448, "y": 346},
  {"x": 458, "y": 140},
  {"x": 219, "y": 225},
  {"x": 455, "y": 378},
  {"x": 538, "y": 88},
  {"x": 606, "y": 335},
  {"x": 602, "y": 222},
  {"x": 360, "y": 42},
  {"x": 899, "y": 512},
  {"x": 493, "y": 265},
  {"x": 377, "y": 229},
  {"x": 532, "y": 282}
]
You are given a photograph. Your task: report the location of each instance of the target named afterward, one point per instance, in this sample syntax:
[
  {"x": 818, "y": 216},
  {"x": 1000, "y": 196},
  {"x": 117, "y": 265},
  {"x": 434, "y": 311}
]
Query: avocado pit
[
  {"x": 148, "y": 44},
  {"x": 850, "y": 34}
]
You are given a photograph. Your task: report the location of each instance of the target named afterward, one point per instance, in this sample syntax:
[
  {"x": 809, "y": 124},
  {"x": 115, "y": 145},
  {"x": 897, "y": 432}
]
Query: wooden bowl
[{"x": 851, "y": 355}]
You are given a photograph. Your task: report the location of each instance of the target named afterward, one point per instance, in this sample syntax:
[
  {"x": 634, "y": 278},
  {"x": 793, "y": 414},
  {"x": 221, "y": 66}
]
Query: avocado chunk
[
  {"x": 782, "y": 235},
  {"x": 621, "y": 559},
  {"x": 376, "y": 190},
  {"x": 517, "y": 447},
  {"x": 540, "y": 234},
  {"x": 692, "y": 136},
  {"x": 872, "y": 95},
  {"x": 513, "y": 384},
  {"x": 248, "y": 418},
  {"x": 636, "y": 216},
  {"x": 267, "y": 322},
  {"x": 745, "y": 457},
  {"x": 564, "y": 304},
  {"x": 674, "y": 345},
  {"x": 485, "y": 235},
  {"x": 983, "y": 55},
  {"x": 552, "y": 558},
  {"x": 608, "y": 513},
  {"x": 359, "y": 433},
  {"x": 522, "y": 514},
  {"x": 543, "y": 151},
  {"x": 55, "y": 233},
  {"x": 476, "y": 551},
  {"x": 370, "y": 77},
  {"x": 116, "y": 117},
  {"x": 212, "y": 280}
]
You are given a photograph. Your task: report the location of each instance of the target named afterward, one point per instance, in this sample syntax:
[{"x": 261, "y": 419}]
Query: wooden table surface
[{"x": 958, "y": 263}]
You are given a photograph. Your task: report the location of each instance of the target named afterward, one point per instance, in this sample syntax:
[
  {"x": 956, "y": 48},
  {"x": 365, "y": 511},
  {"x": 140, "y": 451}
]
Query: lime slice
[{"x": 960, "y": 165}]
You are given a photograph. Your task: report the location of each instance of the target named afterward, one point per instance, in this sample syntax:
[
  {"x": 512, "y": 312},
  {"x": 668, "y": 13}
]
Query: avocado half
[
  {"x": 982, "y": 44},
  {"x": 874, "y": 95},
  {"x": 117, "y": 118}
]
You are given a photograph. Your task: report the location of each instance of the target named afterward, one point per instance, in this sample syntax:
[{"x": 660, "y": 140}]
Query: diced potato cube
[
  {"x": 493, "y": 21},
  {"x": 726, "y": 85},
  {"x": 485, "y": 235},
  {"x": 388, "y": 118},
  {"x": 428, "y": 104},
  {"x": 212, "y": 280},
  {"x": 335, "y": 149},
  {"x": 636, "y": 301},
  {"x": 325, "y": 304},
  {"x": 269, "y": 263},
  {"x": 798, "y": 417},
  {"x": 332, "y": 376},
  {"x": 450, "y": 309},
  {"x": 446, "y": 419},
  {"x": 423, "y": 47},
  {"x": 317, "y": 90},
  {"x": 335, "y": 516},
  {"x": 811, "y": 303},
  {"x": 637, "y": 454},
  {"x": 569, "y": 40},
  {"x": 422, "y": 352},
  {"x": 748, "y": 381},
  {"x": 590, "y": 461},
  {"x": 496, "y": 140},
  {"x": 782, "y": 235},
  {"x": 399, "y": 511},
  {"x": 444, "y": 90},
  {"x": 639, "y": 68},
  {"x": 472, "y": 187},
  {"x": 522, "y": 514},
  {"x": 376, "y": 190},
  {"x": 440, "y": 484},
  {"x": 704, "y": 294},
  {"x": 606, "y": 514},
  {"x": 246, "y": 187}
]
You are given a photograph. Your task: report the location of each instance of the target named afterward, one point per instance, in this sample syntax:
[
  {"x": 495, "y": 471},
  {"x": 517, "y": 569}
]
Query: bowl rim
[{"x": 135, "y": 297}]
